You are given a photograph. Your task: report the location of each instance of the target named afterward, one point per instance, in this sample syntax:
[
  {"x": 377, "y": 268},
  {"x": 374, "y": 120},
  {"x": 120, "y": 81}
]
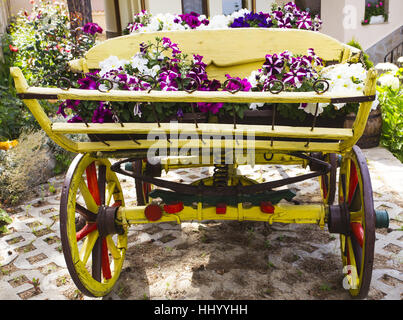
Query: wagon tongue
[{"x": 273, "y": 197}]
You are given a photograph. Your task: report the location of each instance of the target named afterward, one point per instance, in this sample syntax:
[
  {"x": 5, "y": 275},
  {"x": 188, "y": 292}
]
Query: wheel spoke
[
  {"x": 112, "y": 248},
  {"x": 88, "y": 228},
  {"x": 358, "y": 232},
  {"x": 343, "y": 187},
  {"x": 324, "y": 183},
  {"x": 88, "y": 245},
  {"x": 351, "y": 261},
  {"x": 101, "y": 183},
  {"x": 355, "y": 203},
  {"x": 92, "y": 181},
  {"x": 88, "y": 198},
  {"x": 110, "y": 188},
  {"x": 353, "y": 181},
  {"x": 85, "y": 213},
  {"x": 97, "y": 260},
  {"x": 357, "y": 251},
  {"x": 106, "y": 269}
]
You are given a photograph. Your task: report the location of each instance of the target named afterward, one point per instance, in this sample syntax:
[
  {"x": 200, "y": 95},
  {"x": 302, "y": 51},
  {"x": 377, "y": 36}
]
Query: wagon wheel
[
  {"x": 357, "y": 242},
  {"x": 327, "y": 182},
  {"x": 95, "y": 252},
  {"x": 143, "y": 189}
]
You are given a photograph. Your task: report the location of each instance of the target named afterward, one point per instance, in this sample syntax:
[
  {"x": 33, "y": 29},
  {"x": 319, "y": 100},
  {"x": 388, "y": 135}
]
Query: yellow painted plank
[
  {"x": 204, "y": 128},
  {"x": 225, "y": 48}
]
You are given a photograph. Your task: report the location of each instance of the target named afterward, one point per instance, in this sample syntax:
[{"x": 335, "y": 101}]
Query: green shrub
[
  {"x": 4, "y": 221},
  {"x": 392, "y": 119},
  {"x": 42, "y": 43},
  {"x": 368, "y": 63},
  {"x": 14, "y": 116}
]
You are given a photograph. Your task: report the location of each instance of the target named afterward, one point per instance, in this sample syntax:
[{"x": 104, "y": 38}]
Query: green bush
[
  {"x": 13, "y": 114},
  {"x": 4, "y": 221},
  {"x": 368, "y": 63},
  {"x": 392, "y": 119},
  {"x": 42, "y": 43}
]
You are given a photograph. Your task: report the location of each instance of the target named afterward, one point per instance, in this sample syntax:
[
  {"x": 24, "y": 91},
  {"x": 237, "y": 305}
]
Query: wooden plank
[
  {"x": 183, "y": 96},
  {"x": 225, "y": 49},
  {"x": 203, "y": 128}
]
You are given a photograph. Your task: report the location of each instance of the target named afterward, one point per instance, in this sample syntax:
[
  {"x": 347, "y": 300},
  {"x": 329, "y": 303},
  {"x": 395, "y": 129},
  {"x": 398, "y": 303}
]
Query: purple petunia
[
  {"x": 304, "y": 22},
  {"x": 102, "y": 114},
  {"x": 69, "y": 104},
  {"x": 191, "y": 19},
  {"x": 295, "y": 77},
  {"x": 167, "y": 43},
  {"x": 92, "y": 28},
  {"x": 167, "y": 80},
  {"x": 274, "y": 64},
  {"x": 210, "y": 85}
]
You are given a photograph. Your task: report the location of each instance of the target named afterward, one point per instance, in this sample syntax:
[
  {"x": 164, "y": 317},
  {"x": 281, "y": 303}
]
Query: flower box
[{"x": 377, "y": 19}]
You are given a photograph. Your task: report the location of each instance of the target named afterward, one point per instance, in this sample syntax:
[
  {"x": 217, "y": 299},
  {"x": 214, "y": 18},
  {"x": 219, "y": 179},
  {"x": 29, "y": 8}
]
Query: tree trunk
[{"x": 81, "y": 9}]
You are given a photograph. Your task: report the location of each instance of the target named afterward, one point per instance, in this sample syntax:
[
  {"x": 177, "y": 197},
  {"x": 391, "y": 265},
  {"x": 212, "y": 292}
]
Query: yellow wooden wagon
[{"x": 95, "y": 246}]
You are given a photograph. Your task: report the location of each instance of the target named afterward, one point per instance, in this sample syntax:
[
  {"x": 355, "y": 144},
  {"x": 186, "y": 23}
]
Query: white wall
[
  {"x": 165, "y": 6},
  {"x": 342, "y": 20}
]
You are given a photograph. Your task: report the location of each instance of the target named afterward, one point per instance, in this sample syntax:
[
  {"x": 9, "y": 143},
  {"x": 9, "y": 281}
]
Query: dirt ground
[
  {"x": 237, "y": 260},
  {"x": 209, "y": 260}
]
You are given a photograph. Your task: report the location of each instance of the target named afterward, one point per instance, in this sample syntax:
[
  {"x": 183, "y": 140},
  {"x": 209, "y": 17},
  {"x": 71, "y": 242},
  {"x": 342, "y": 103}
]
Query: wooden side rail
[
  {"x": 204, "y": 129},
  {"x": 196, "y": 96}
]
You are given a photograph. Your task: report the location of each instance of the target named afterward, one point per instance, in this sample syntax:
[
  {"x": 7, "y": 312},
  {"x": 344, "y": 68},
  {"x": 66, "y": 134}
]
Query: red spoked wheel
[
  {"x": 357, "y": 218},
  {"x": 142, "y": 167},
  {"x": 94, "y": 242}
]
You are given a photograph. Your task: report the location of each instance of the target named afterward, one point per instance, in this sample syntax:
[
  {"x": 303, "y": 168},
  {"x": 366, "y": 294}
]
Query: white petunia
[
  {"x": 111, "y": 63},
  {"x": 311, "y": 108}
]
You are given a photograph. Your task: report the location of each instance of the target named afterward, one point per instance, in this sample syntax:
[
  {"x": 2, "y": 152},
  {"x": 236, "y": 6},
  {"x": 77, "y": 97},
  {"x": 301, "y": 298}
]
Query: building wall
[{"x": 342, "y": 20}]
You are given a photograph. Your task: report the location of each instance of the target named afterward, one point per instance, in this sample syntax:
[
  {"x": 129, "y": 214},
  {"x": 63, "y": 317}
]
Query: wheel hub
[
  {"x": 339, "y": 219},
  {"x": 106, "y": 221}
]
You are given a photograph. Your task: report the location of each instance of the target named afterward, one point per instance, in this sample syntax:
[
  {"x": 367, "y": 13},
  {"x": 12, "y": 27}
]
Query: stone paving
[{"x": 32, "y": 265}]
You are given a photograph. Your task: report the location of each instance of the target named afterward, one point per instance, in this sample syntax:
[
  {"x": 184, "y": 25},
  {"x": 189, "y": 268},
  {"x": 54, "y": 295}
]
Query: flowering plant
[
  {"x": 286, "y": 16},
  {"x": 146, "y": 22},
  {"x": 159, "y": 65},
  {"x": 390, "y": 92},
  {"x": 374, "y": 9},
  {"x": 42, "y": 43}
]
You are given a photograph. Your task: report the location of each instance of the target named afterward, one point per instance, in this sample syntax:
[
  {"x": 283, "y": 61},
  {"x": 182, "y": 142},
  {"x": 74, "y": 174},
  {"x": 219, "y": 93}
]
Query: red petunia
[{"x": 12, "y": 48}]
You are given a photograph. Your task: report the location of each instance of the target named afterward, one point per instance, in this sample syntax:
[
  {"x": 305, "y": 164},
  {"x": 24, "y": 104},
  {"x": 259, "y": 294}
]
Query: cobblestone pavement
[{"x": 32, "y": 265}]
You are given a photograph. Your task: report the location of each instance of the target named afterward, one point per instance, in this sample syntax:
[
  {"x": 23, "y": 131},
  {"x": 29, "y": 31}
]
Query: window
[
  {"x": 230, "y": 6},
  {"x": 376, "y": 11},
  {"x": 313, "y": 6},
  {"x": 198, "y": 6}
]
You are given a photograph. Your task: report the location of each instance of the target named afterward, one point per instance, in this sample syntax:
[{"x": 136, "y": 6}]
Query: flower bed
[
  {"x": 287, "y": 16},
  {"x": 160, "y": 65}
]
